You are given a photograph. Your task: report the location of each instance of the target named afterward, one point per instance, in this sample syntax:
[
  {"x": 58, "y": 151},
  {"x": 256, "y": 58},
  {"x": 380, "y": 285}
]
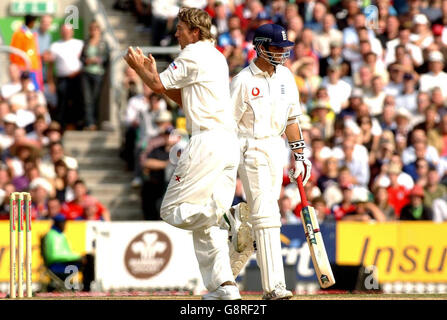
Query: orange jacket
[{"x": 26, "y": 40}]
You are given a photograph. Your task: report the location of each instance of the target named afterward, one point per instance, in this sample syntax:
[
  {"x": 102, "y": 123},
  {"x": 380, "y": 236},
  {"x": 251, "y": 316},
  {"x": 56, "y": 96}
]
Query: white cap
[
  {"x": 435, "y": 56},
  {"x": 164, "y": 116},
  {"x": 41, "y": 182},
  {"x": 10, "y": 118},
  {"x": 403, "y": 112},
  {"x": 420, "y": 19}
]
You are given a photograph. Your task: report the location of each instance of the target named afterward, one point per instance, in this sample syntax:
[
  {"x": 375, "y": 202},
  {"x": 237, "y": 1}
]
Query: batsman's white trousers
[
  {"x": 200, "y": 191},
  {"x": 261, "y": 173}
]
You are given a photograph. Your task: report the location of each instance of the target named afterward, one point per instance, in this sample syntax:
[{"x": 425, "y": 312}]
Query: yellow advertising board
[
  {"x": 76, "y": 236},
  {"x": 401, "y": 251}
]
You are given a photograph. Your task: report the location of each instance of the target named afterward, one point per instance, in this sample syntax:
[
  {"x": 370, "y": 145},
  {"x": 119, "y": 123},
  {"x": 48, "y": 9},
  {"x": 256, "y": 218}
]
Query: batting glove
[{"x": 303, "y": 168}]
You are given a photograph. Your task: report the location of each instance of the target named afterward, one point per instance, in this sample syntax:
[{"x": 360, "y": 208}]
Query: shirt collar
[{"x": 256, "y": 71}]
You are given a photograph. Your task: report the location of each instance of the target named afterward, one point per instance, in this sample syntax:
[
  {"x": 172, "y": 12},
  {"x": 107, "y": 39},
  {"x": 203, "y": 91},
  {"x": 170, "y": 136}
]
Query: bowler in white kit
[{"x": 203, "y": 184}]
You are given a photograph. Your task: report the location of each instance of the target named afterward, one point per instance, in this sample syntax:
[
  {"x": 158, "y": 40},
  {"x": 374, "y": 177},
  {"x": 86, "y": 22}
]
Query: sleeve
[
  {"x": 16, "y": 43},
  {"x": 181, "y": 72},
  {"x": 237, "y": 90},
  {"x": 295, "y": 109}
]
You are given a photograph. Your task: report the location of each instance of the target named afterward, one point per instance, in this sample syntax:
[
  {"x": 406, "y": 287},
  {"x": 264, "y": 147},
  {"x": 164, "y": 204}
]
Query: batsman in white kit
[
  {"x": 266, "y": 105},
  {"x": 203, "y": 184}
]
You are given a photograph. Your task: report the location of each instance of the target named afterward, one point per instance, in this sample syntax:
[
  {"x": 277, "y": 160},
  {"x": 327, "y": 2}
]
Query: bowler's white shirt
[
  {"x": 201, "y": 72},
  {"x": 262, "y": 103}
]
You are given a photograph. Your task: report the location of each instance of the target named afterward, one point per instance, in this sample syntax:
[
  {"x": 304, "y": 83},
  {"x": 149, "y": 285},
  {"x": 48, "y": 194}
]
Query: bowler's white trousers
[{"x": 200, "y": 191}]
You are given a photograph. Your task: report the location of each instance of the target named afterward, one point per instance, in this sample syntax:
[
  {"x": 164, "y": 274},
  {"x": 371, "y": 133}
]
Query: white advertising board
[{"x": 143, "y": 256}]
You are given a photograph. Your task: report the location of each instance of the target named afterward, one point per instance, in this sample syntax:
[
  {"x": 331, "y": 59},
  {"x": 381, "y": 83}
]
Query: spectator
[
  {"x": 95, "y": 59},
  {"x": 422, "y": 35},
  {"x": 435, "y": 77},
  {"x": 56, "y": 153},
  {"x": 15, "y": 84},
  {"x": 346, "y": 206},
  {"x": 25, "y": 39},
  {"x": 434, "y": 189},
  {"x": 404, "y": 40},
  {"x": 376, "y": 98},
  {"x": 416, "y": 210},
  {"x": 9, "y": 127},
  {"x": 286, "y": 211},
  {"x": 155, "y": 176},
  {"x": 407, "y": 98},
  {"x": 75, "y": 209},
  {"x": 163, "y": 16},
  {"x": 338, "y": 90},
  {"x": 397, "y": 193},
  {"x": 65, "y": 56},
  {"x": 322, "y": 118},
  {"x": 327, "y": 37},
  {"x": 44, "y": 40},
  {"x": 381, "y": 201},
  {"x": 365, "y": 210},
  {"x": 40, "y": 190},
  {"x": 355, "y": 157}
]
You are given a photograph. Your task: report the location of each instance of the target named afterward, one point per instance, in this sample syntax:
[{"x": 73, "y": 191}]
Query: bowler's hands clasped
[{"x": 137, "y": 60}]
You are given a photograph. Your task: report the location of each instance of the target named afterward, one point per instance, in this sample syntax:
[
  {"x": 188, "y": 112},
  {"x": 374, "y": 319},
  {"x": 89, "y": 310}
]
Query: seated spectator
[
  {"x": 95, "y": 210},
  {"x": 327, "y": 39},
  {"x": 321, "y": 209},
  {"x": 27, "y": 98},
  {"x": 8, "y": 133},
  {"x": 56, "y": 153},
  {"x": 397, "y": 193},
  {"x": 434, "y": 189},
  {"x": 53, "y": 133},
  {"x": 54, "y": 207},
  {"x": 365, "y": 210},
  {"x": 286, "y": 211},
  {"x": 381, "y": 201},
  {"x": 416, "y": 210},
  {"x": 346, "y": 206},
  {"x": 322, "y": 118},
  {"x": 329, "y": 174},
  {"x": 7, "y": 90},
  {"x": 60, "y": 181},
  {"x": 41, "y": 190},
  {"x": 375, "y": 99},
  {"x": 339, "y": 90},
  {"x": 436, "y": 77},
  {"x": 75, "y": 209},
  {"x": 407, "y": 98}
]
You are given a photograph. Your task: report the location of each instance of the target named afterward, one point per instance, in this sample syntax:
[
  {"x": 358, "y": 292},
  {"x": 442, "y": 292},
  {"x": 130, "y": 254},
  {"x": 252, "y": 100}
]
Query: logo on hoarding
[{"x": 148, "y": 254}]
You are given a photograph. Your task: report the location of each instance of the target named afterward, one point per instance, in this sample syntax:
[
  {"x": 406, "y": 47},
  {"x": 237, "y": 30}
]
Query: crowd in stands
[
  {"x": 38, "y": 104},
  {"x": 373, "y": 95}
]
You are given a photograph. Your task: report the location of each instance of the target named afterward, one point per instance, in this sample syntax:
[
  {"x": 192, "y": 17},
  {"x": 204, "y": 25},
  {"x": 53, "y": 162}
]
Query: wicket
[{"x": 18, "y": 201}]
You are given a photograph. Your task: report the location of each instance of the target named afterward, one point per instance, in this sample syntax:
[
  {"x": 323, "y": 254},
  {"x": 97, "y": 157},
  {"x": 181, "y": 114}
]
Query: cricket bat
[{"x": 314, "y": 238}]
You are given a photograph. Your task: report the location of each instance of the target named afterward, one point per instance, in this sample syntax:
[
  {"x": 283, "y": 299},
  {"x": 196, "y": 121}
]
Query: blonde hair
[{"x": 197, "y": 18}]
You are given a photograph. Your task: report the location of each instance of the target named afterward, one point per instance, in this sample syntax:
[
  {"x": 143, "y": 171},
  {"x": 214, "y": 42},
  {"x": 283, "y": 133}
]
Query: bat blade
[
  {"x": 317, "y": 249},
  {"x": 315, "y": 241}
]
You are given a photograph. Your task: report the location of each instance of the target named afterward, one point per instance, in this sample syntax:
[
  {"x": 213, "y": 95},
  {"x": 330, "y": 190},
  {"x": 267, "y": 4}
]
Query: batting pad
[{"x": 269, "y": 258}]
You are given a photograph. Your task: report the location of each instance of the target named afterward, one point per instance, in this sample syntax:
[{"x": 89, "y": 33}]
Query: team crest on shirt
[{"x": 173, "y": 66}]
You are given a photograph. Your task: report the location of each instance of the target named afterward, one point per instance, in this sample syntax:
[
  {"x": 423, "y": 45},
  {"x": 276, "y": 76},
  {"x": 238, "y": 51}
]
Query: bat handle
[{"x": 299, "y": 183}]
